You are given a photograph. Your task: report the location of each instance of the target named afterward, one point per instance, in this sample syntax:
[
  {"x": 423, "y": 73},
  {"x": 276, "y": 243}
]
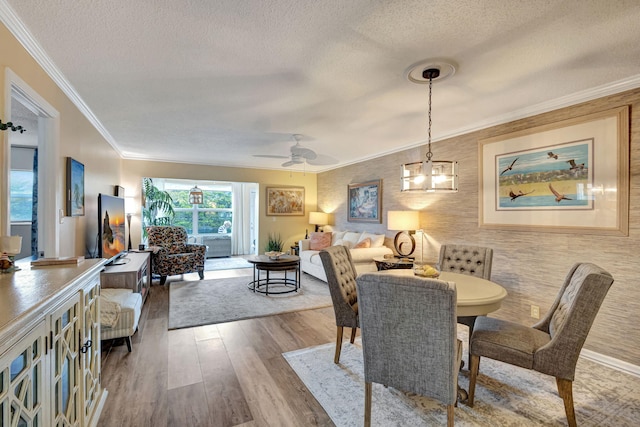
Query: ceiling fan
[{"x": 300, "y": 154}]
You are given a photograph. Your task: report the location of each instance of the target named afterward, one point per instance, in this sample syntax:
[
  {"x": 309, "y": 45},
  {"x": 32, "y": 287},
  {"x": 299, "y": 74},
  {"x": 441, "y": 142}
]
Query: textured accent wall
[{"x": 530, "y": 265}]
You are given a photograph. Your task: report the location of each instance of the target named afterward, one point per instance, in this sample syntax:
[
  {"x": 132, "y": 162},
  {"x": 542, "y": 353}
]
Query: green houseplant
[
  {"x": 274, "y": 243},
  {"x": 158, "y": 206}
]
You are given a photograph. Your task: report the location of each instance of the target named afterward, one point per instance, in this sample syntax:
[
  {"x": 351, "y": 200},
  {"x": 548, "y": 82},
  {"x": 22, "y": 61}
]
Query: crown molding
[{"x": 11, "y": 20}]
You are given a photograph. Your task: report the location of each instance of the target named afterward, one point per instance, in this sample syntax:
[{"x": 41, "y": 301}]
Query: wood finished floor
[{"x": 230, "y": 374}]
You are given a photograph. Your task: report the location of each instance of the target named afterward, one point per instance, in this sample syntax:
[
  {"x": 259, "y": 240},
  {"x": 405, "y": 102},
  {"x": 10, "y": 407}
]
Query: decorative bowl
[
  {"x": 274, "y": 254},
  {"x": 426, "y": 271}
]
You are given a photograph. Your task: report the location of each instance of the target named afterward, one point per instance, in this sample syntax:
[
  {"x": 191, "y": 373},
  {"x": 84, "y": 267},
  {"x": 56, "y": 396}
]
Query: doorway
[{"x": 33, "y": 152}]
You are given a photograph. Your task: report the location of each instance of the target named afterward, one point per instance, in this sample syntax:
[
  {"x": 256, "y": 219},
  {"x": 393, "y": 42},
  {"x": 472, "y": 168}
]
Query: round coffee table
[{"x": 282, "y": 285}]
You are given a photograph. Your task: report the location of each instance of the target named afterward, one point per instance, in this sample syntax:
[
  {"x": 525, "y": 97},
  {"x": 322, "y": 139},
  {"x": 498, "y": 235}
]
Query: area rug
[
  {"x": 212, "y": 264},
  {"x": 505, "y": 395},
  {"x": 205, "y": 302}
]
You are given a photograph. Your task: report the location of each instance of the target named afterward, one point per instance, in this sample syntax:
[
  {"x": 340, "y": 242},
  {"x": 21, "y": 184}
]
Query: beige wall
[
  {"x": 530, "y": 265},
  {"x": 290, "y": 228},
  {"x": 78, "y": 139}
]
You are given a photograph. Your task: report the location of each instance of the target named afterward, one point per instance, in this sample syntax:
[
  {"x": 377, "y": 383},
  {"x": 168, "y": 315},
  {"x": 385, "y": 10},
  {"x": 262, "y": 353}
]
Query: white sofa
[{"x": 311, "y": 263}]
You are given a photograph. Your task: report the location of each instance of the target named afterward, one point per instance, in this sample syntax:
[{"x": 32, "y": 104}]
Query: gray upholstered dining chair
[
  {"x": 466, "y": 259},
  {"x": 341, "y": 277},
  {"x": 551, "y": 346},
  {"x": 409, "y": 342},
  {"x": 470, "y": 260}
]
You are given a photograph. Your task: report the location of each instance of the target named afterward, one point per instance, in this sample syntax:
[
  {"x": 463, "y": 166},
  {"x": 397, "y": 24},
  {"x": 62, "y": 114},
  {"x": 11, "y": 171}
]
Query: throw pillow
[
  {"x": 377, "y": 240},
  {"x": 366, "y": 243},
  {"x": 337, "y": 235},
  {"x": 319, "y": 241},
  {"x": 341, "y": 242},
  {"x": 352, "y": 237}
]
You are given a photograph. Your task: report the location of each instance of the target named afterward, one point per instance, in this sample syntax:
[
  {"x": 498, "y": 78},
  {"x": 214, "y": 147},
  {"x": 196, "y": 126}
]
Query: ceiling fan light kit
[{"x": 430, "y": 175}]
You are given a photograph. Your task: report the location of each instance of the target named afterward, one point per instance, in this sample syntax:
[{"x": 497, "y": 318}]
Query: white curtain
[{"x": 241, "y": 230}]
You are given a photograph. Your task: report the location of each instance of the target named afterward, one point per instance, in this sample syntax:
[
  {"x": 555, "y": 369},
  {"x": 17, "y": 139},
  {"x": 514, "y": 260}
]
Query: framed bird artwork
[{"x": 569, "y": 176}]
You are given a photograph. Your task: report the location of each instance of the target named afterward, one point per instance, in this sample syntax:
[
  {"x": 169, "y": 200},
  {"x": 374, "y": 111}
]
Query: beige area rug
[
  {"x": 505, "y": 395},
  {"x": 205, "y": 302},
  {"x": 228, "y": 263}
]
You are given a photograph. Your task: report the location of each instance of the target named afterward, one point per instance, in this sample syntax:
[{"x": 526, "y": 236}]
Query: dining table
[{"x": 475, "y": 296}]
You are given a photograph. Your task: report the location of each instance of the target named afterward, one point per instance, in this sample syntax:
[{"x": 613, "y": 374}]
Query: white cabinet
[
  {"x": 50, "y": 355},
  {"x": 22, "y": 381},
  {"x": 66, "y": 333}
]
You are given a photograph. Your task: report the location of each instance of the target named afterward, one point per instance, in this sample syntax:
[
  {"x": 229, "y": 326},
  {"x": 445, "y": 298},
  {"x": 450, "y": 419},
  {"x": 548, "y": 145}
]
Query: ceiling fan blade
[
  {"x": 322, "y": 160},
  {"x": 289, "y": 163},
  {"x": 270, "y": 156},
  {"x": 307, "y": 153}
]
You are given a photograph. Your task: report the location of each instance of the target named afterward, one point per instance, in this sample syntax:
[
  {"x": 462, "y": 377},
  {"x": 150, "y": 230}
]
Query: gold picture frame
[
  {"x": 285, "y": 201},
  {"x": 568, "y": 177},
  {"x": 365, "y": 202}
]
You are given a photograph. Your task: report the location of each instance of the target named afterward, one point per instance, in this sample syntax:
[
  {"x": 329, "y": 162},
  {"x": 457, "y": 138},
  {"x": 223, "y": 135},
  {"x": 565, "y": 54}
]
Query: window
[
  {"x": 21, "y": 196},
  {"x": 208, "y": 218}
]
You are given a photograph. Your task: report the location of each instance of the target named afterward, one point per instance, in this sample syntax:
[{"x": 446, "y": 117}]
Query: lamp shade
[
  {"x": 11, "y": 244},
  {"x": 403, "y": 220},
  {"x": 318, "y": 218}
]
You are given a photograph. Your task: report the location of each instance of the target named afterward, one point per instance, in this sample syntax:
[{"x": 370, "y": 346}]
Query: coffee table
[
  {"x": 383, "y": 263},
  {"x": 282, "y": 285}
]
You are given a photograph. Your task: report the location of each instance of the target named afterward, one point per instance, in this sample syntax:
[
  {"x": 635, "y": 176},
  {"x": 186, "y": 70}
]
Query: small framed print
[
  {"x": 365, "y": 202},
  {"x": 285, "y": 201},
  {"x": 75, "y": 188}
]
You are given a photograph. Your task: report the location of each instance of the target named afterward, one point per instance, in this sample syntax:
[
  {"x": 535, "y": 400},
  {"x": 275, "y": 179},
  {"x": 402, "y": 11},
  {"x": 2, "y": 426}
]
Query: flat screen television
[{"x": 111, "y": 227}]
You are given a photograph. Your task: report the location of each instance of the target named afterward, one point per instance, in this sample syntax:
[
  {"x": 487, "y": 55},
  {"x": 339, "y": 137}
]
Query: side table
[
  {"x": 135, "y": 274},
  {"x": 383, "y": 263}
]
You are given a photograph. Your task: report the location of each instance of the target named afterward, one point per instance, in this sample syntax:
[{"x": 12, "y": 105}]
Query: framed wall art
[
  {"x": 365, "y": 202},
  {"x": 75, "y": 188},
  {"x": 285, "y": 201},
  {"x": 570, "y": 176}
]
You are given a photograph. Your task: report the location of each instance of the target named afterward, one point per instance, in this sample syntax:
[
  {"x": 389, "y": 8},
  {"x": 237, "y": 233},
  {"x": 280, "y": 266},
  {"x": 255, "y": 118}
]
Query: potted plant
[
  {"x": 274, "y": 243},
  {"x": 158, "y": 206}
]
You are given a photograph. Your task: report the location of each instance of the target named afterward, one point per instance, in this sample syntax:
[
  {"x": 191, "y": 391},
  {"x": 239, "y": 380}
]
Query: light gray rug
[
  {"x": 212, "y": 264},
  {"x": 505, "y": 395},
  {"x": 205, "y": 302}
]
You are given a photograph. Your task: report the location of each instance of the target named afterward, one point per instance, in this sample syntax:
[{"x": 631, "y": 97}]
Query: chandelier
[{"x": 430, "y": 175}]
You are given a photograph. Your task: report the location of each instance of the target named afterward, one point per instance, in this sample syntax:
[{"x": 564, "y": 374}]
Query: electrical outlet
[{"x": 535, "y": 311}]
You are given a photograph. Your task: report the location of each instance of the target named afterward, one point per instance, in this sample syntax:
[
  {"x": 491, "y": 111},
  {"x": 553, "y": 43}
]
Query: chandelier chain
[{"x": 429, "y": 153}]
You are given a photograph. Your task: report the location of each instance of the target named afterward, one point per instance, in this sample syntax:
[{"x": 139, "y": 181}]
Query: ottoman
[{"x": 130, "y": 308}]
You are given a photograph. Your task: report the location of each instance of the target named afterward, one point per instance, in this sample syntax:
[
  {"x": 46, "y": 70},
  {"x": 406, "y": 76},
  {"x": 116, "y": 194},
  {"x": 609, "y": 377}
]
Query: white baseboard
[{"x": 611, "y": 362}]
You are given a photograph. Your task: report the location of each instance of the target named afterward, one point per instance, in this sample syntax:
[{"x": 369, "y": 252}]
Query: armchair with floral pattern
[{"x": 172, "y": 254}]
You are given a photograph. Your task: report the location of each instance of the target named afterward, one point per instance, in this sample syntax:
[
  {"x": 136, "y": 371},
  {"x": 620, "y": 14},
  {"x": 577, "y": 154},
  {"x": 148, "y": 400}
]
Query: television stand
[{"x": 134, "y": 274}]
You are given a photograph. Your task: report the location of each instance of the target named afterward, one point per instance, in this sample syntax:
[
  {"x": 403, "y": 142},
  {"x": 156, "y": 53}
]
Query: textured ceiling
[{"x": 215, "y": 82}]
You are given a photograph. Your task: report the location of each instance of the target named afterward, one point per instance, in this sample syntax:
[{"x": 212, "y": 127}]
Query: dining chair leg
[
  {"x": 450, "y": 415},
  {"x": 336, "y": 358},
  {"x": 565, "y": 389},
  {"x": 367, "y": 404},
  {"x": 353, "y": 335},
  {"x": 474, "y": 365}
]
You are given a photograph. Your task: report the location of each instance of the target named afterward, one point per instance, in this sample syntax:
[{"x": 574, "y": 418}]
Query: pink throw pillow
[
  {"x": 319, "y": 241},
  {"x": 366, "y": 243}
]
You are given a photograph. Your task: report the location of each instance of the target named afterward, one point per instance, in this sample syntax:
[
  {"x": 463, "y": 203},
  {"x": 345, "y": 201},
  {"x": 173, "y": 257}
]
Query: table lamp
[
  {"x": 406, "y": 222},
  {"x": 318, "y": 218},
  {"x": 10, "y": 246}
]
